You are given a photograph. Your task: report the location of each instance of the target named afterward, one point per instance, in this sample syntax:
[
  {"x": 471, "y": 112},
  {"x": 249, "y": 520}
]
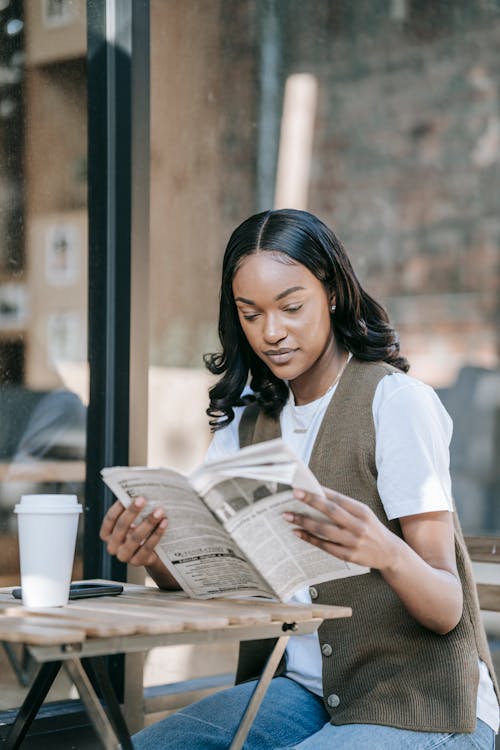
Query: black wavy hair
[{"x": 361, "y": 324}]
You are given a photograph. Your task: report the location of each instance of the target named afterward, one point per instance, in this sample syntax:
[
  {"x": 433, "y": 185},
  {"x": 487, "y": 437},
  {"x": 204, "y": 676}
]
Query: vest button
[
  {"x": 313, "y": 592},
  {"x": 333, "y": 700},
  {"x": 326, "y": 649}
]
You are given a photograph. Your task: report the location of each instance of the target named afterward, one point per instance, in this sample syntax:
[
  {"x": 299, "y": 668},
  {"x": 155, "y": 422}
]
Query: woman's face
[{"x": 284, "y": 311}]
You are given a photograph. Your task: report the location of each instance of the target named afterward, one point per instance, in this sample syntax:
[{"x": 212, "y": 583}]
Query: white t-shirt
[{"x": 413, "y": 433}]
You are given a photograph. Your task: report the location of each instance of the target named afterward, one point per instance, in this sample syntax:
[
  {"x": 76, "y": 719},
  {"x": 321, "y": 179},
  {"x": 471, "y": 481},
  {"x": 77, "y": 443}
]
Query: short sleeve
[
  {"x": 225, "y": 442},
  {"x": 413, "y": 433}
]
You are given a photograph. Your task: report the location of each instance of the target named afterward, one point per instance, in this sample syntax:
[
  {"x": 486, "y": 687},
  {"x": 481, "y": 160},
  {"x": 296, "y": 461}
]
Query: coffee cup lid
[
  {"x": 53, "y": 499},
  {"x": 54, "y": 509},
  {"x": 48, "y": 504}
]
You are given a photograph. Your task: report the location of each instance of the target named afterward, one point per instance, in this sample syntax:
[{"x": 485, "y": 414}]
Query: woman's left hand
[
  {"x": 350, "y": 530},
  {"x": 420, "y": 567}
]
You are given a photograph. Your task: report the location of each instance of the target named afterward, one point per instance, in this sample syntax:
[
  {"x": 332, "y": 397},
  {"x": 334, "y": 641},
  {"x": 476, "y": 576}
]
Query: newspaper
[{"x": 226, "y": 535}]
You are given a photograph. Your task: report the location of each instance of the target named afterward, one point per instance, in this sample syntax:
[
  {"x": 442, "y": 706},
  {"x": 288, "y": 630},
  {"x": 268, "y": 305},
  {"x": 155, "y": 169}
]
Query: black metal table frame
[{"x": 84, "y": 664}]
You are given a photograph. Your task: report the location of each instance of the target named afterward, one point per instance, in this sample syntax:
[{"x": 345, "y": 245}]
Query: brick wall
[{"x": 406, "y": 164}]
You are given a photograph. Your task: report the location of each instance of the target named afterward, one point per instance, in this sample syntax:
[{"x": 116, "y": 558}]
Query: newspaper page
[
  {"x": 226, "y": 535},
  {"x": 195, "y": 548},
  {"x": 250, "y": 497}
]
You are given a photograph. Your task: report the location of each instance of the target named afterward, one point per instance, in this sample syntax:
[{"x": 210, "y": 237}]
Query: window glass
[
  {"x": 380, "y": 117},
  {"x": 43, "y": 278}
]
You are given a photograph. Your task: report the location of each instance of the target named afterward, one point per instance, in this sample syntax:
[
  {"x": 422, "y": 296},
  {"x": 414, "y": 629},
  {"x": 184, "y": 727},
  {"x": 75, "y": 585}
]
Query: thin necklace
[{"x": 300, "y": 425}]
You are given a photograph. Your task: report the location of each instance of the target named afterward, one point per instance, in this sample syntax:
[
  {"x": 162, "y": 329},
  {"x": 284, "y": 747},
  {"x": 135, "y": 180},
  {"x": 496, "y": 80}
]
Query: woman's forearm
[
  {"x": 162, "y": 577},
  {"x": 432, "y": 595}
]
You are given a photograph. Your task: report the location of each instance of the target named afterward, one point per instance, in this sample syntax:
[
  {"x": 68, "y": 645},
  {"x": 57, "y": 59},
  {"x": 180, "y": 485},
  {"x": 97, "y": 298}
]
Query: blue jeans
[{"x": 290, "y": 718}]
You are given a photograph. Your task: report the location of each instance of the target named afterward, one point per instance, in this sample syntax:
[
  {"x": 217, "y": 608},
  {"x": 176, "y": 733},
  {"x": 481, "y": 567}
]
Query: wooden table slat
[
  {"x": 272, "y": 610},
  {"x": 247, "y": 615},
  {"x": 323, "y": 611},
  {"x": 150, "y": 615},
  {"x": 21, "y": 630},
  {"x": 94, "y": 624}
]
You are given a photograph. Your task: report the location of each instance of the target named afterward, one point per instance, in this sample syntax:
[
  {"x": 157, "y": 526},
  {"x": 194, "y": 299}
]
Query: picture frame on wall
[
  {"x": 64, "y": 338},
  {"x": 62, "y": 254},
  {"x": 13, "y": 305},
  {"x": 57, "y": 13}
]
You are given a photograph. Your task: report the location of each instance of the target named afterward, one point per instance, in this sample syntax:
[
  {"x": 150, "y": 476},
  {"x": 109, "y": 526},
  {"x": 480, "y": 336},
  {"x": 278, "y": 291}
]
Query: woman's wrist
[{"x": 162, "y": 576}]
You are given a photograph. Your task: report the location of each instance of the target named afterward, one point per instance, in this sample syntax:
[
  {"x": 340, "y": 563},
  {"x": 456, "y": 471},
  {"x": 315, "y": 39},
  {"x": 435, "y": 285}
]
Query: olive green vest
[{"x": 380, "y": 666}]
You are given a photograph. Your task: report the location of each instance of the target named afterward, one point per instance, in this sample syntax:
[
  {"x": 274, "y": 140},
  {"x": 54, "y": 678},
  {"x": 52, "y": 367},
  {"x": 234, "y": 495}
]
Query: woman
[{"x": 411, "y": 668}]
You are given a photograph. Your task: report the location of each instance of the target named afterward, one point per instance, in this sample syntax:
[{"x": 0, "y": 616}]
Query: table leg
[
  {"x": 102, "y": 724},
  {"x": 96, "y": 670},
  {"x": 258, "y": 693},
  {"x": 23, "y": 667},
  {"x": 34, "y": 699}
]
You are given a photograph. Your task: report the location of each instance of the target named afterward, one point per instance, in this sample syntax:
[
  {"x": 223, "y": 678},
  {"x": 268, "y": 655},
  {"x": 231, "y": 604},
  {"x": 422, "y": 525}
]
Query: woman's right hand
[{"x": 131, "y": 540}]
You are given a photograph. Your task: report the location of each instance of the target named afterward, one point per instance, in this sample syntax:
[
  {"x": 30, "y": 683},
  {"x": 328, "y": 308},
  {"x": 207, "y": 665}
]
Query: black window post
[{"x": 118, "y": 145}]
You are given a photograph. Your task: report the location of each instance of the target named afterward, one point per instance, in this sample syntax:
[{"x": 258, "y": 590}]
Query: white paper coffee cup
[{"x": 47, "y": 526}]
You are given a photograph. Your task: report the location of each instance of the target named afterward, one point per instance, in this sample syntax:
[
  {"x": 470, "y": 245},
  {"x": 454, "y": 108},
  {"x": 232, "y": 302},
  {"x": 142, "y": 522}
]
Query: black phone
[{"x": 85, "y": 590}]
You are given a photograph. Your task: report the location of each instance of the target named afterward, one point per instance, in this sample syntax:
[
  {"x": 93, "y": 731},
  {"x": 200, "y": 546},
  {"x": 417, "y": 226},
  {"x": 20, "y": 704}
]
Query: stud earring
[{"x": 332, "y": 308}]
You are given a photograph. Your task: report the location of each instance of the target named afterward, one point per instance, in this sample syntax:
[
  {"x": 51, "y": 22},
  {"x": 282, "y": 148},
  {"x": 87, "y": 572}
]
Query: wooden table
[{"x": 77, "y": 638}]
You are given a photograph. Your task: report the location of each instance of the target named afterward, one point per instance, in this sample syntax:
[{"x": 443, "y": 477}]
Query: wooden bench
[{"x": 486, "y": 549}]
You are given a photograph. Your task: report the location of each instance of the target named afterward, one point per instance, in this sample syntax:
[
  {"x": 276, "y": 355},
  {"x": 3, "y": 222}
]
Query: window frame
[{"x": 118, "y": 53}]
